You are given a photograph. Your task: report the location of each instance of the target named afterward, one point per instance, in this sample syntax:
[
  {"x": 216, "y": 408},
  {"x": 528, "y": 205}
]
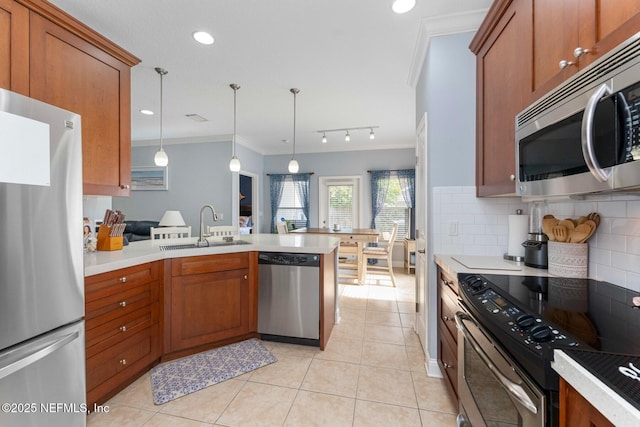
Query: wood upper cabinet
[
  {"x": 14, "y": 47},
  {"x": 561, "y": 27},
  {"x": 503, "y": 68},
  {"x": 50, "y": 56}
]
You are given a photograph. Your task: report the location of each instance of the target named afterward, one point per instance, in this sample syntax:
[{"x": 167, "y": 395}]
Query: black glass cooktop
[{"x": 598, "y": 313}]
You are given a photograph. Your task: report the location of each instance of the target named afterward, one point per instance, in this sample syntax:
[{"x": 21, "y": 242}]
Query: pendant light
[
  {"x": 293, "y": 164},
  {"x": 161, "y": 158},
  {"x": 234, "y": 164}
]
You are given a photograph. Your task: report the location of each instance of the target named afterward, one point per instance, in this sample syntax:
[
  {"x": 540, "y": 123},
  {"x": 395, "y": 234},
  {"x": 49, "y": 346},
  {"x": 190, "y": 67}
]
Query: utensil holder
[
  {"x": 106, "y": 242},
  {"x": 568, "y": 259}
]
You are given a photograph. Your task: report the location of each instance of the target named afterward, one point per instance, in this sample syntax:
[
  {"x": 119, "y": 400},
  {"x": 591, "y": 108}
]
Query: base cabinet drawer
[{"x": 118, "y": 358}]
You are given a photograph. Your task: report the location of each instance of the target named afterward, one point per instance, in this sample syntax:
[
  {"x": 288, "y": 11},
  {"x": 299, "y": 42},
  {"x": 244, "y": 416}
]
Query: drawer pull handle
[
  {"x": 123, "y": 328},
  {"x": 447, "y": 366},
  {"x": 123, "y": 362},
  {"x": 123, "y": 279},
  {"x": 447, "y": 319},
  {"x": 123, "y": 304},
  {"x": 245, "y": 277}
]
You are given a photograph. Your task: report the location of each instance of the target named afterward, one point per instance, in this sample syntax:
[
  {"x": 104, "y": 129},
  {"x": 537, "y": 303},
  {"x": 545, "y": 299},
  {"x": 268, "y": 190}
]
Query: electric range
[{"x": 531, "y": 316}]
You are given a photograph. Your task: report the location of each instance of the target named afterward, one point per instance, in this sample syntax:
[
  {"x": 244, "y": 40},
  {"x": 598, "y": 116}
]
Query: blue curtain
[
  {"x": 407, "y": 178},
  {"x": 275, "y": 191},
  {"x": 379, "y": 189},
  {"x": 301, "y": 182}
]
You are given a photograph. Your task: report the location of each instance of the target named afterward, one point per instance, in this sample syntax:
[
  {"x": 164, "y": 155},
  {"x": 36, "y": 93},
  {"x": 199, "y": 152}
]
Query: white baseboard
[{"x": 432, "y": 367}]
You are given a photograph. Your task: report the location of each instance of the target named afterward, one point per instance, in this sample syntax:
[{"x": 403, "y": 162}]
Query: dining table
[{"x": 352, "y": 242}]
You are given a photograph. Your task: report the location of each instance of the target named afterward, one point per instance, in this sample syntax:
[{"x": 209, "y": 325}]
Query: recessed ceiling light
[
  {"x": 403, "y": 6},
  {"x": 146, "y": 112},
  {"x": 203, "y": 37}
]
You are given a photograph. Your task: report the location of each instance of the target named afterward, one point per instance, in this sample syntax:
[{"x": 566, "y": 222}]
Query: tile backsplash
[{"x": 482, "y": 228}]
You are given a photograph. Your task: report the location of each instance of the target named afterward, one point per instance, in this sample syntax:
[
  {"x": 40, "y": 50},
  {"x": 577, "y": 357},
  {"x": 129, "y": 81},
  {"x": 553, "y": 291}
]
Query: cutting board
[{"x": 482, "y": 262}]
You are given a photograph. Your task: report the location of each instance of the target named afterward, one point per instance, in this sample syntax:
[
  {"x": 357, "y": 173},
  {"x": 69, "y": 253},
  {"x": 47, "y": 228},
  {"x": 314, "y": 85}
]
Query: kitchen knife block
[{"x": 106, "y": 242}]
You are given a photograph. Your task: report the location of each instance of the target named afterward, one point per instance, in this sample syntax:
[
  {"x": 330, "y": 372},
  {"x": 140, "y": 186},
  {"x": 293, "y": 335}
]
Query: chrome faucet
[{"x": 201, "y": 240}]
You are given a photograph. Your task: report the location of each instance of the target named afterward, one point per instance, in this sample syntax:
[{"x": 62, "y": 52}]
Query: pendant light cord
[
  {"x": 294, "y": 91},
  {"x": 162, "y": 72}
]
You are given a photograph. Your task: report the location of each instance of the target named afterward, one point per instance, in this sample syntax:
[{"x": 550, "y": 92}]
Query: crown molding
[{"x": 440, "y": 26}]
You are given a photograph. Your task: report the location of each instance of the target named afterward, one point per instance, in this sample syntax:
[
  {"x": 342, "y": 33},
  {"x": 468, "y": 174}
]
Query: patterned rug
[{"x": 180, "y": 377}]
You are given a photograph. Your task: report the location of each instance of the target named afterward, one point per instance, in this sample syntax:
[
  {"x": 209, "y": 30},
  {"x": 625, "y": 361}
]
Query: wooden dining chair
[
  {"x": 222, "y": 230},
  {"x": 161, "y": 233},
  {"x": 380, "y": 253}
]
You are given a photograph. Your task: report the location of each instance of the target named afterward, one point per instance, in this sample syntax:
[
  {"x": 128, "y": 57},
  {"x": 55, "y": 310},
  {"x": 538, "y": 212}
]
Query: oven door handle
[
  {"x": 514, "y": 389},
  {"x": 588, "y": 151}
]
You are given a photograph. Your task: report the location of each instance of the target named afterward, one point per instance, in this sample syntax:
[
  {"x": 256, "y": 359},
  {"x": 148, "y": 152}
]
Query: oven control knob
[
  {"x": 525, "y": 321},
  {"x": 541, "y": 333}
]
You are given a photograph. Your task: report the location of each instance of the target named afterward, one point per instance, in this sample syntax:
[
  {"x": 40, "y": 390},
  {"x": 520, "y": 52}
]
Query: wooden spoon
[
  {"x": 593, "y": 216},
  {"x": 592, "y": 229},
  {"x": 567, "y": 223},
  {"x": 582, "y": 219},
  {"x": 579, "y": 234},
  {"x": 547, "y": 226},
  {"x": 560, "y": 233}
]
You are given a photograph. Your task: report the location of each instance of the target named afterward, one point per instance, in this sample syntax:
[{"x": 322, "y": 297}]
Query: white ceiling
[{"x": 354, "y": 61}]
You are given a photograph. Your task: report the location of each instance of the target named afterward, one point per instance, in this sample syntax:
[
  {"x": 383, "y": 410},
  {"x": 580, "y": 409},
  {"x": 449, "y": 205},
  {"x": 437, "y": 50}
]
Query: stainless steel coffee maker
[{"x": 535, "y": 247}]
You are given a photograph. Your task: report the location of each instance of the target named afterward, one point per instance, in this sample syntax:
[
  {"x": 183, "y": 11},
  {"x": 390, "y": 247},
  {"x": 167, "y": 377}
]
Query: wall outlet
[{"x": 453, "y": 228}]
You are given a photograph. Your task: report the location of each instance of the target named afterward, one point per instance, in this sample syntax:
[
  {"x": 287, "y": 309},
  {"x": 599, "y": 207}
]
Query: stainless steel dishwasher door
[{"x": 289, "y": 295}]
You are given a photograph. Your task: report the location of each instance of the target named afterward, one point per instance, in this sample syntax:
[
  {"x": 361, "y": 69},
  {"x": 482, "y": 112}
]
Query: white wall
[{"x": 198, "y": 174}]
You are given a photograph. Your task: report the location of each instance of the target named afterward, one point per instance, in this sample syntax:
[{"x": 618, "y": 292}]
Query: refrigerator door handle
[{"x": 20, "y": 358}]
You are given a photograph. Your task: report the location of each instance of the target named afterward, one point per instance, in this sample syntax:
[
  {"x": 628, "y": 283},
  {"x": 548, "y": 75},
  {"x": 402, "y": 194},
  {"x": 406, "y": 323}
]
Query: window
[
  {"x": 394, "y": 210},
  {"x": 290, "y": 207}
]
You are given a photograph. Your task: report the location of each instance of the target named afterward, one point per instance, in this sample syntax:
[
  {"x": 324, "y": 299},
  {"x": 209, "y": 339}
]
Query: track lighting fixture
[
  {"x": 234, "y": 164},
  {"x": 161, "y": 158},
  {"x": 347, "y": 136}
]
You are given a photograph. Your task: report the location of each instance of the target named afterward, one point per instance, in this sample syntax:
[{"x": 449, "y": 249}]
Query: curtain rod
[
  {"x": 392, "y": 170},
  {"x": 310, "y": 173}
]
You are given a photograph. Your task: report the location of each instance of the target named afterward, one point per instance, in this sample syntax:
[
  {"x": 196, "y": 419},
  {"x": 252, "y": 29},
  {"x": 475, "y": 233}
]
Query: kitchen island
[{"x": 144, "y": 305}]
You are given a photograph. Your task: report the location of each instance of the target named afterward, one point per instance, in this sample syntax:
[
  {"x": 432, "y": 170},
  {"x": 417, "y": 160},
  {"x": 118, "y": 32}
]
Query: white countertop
[
  {"x": 615, "y": 408},
  {"x": 149, "y": 250},
  {"x": 453, "y": 267}
]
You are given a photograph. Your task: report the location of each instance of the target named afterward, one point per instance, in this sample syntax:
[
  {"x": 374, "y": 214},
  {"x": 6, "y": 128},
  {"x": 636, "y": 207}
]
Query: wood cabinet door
[
  {"x": 14, "y": 47},
  {"x": 576, "y": 411},
  {"x": 605, "y": 24},
  {"x": 503, "y": 72},
  {"x": 209, "y": 307},
  {"x": 73, "y": 74},
  {"x": 554, "y": 37}
]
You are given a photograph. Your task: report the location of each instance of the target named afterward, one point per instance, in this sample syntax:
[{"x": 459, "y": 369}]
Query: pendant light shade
[
  {"x": 293, "y": 164},
  {"x": 234, "y": 164},
  {"x": 161, "y": 158}
]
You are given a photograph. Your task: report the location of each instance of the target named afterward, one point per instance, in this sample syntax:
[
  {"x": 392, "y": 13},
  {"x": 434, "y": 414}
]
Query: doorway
[
  {"x": 248, "y": 212},
  {"x": 340, "y": 201}
]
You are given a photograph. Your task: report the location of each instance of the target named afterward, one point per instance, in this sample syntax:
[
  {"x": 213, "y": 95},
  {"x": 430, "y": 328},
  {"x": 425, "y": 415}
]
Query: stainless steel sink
[{"x": 194, "y": 246}]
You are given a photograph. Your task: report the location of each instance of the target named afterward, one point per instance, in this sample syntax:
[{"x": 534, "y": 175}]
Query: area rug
[{"x": 189, "y": 374}]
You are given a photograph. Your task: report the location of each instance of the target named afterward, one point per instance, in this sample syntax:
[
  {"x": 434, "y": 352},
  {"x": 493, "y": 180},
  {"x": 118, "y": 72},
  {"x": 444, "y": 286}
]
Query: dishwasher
[{"x": 289, "y": 297}]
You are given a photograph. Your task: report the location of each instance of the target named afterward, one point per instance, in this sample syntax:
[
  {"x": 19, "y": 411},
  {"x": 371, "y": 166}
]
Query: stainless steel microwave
[{"x": 584, "y": 136}]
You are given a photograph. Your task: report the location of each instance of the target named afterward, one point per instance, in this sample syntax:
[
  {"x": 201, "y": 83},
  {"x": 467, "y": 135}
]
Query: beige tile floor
[{"x": 371, "y": 374}]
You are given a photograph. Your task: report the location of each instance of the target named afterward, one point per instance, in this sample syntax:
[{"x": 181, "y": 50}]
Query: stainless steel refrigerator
[{"x": 42, "y": 358}]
